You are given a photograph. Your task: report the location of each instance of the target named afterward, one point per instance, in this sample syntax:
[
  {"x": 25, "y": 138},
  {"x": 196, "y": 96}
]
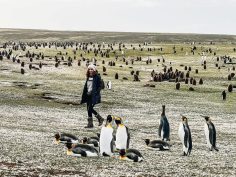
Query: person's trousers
[{"x": 90, "y": 107}]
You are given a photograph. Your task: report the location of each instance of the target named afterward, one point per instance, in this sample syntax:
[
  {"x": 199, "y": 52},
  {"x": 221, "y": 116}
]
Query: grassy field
[{"x": 28, "y": 121}]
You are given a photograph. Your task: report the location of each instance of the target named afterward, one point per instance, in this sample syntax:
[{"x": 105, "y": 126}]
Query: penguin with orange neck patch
[
  {"x": 122, "y": 135},
  {"x": 130, "y": 155},
  {"x": 185, "y": 136},
  {"x": 106, "y": 138},
  {"x": 210, "y": 133},
  {"x": 80, "y": 150},
  {"x": 63, "y": 137}
]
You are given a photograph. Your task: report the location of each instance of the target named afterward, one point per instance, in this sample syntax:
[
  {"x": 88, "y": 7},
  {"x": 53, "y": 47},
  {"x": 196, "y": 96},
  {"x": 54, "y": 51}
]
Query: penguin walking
[
  {"x": 157, "y": 144},
  {"x": 80, "y": 150},
  {"x": 164, "y": 127},
  {"x": 122, "y": 135},
  {"x": 106, "y": 138},
  {"x": 63, "y": 137},
  {"x": 210, "y": 133},
  {"x": 130, "y": 155},
  {"x": 185, "y": 136}
]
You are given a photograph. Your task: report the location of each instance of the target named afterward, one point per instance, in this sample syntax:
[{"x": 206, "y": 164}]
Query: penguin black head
[
  {"x": 85, "y": 140},
  {"x": 69, "y": 144},
  {"x": 207, "y": 118},
  {"x": 122, "y": 152},
  {"x": 147, "y": 141},
  {"x": 109, "y": 118},
  {"x": 163, "y": 110},
  {"x": 57, "y": 136},
  {"x": 184, "y": 119},
  {"x": 118, "y": 120}
]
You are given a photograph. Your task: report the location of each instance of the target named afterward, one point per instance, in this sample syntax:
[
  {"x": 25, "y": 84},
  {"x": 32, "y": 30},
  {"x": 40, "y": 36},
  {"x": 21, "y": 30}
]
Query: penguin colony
[
  {"x": 105, "y": 144},
  {"x": 116, "y": 144}
]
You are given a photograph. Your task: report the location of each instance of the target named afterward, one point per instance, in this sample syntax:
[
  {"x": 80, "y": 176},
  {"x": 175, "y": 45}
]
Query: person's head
[{"x": 91, "y": 71}]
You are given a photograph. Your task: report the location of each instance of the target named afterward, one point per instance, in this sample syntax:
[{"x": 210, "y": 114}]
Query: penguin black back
[{"x": 164, "y": 127}]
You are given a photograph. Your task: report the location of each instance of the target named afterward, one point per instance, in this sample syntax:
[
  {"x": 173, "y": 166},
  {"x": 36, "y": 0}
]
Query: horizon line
[{"x": 101, "y": 31}]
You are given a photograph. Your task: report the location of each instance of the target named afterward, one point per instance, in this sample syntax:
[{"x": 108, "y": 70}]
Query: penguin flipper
[
  {"x": 83, "y": 153},
  {"x": 160, "y": 128},
  {"x": 133, "y": 157},
  {"x": 212, "y": 134},
  {"x": 128, "y": 138},
  {"x": 186, "y": 136}
]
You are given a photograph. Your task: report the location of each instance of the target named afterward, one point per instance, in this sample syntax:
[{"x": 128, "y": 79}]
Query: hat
[{"x": 92, "y": 66}]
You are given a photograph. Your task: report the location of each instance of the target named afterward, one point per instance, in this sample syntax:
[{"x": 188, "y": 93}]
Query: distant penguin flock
[{"x": 110, "y": 143}]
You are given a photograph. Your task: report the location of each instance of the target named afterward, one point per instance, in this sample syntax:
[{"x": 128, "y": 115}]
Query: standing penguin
[
  {"x": 164, "y": 128},
  {"x": 210, "y": 133},
  {"x": 122, "y": 135},
  {"x": 106, "y": 138},
  {"x": 185, "y": 136},
  {"x": 223, "y": 95},
  {"x": 109, "y": 85}
]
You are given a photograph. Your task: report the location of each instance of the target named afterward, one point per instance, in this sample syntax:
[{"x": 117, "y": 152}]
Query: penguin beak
[{"x": 69, "y": 152}]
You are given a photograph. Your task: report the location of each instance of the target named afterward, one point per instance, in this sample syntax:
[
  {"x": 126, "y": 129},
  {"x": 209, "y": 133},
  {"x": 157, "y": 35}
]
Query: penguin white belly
[
  {"x": 91, "y": 154},
  {"x": 181, "y": 136},
  {"x": 76, "y": 155},
  {"x": 106, "y": 140},
  {"x": 162, "y": 133},
  {"x": 121, "y": 138},
  {"x": 206, "y": 130}
]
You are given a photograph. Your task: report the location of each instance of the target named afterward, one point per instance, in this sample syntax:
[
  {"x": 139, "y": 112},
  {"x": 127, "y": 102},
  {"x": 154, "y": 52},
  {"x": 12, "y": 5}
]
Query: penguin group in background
[
  {"x": 157, "y": 144},
  {"x": 81, "y": 150},
  {"x": 164, "y": 128},
  {"x": 106, "y": 138},
  {"x": 210, "y": 133},
  {"x": 130, "y": 155},
  {"x": 64, "y": 137},
  {"x": 185, "y": 136},
  {"x": 122, "y": 135}
]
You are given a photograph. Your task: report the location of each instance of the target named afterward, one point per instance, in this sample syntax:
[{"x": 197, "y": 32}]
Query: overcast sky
[{"x": 174, "y": 16}]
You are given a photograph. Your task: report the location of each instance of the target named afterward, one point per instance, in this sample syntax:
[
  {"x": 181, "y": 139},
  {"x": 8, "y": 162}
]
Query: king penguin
[
  {"x": 157, "y": 144},
  {"x": 210, "y": 133},
  {"x": 185, "y": 136},
  {"x": 92, "y": 141},
  {"x": 106, "y": 138},
  {"x": 130, "y": 155},
  {"x": 80, "y": 150},
  {"x": 122, "y": 135},
  {"x": 63, "y": 137},
  {"x": 164, "y": 128}
]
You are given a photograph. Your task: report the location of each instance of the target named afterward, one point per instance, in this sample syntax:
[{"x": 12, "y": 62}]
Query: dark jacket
[{"x": 96, "y": 96}]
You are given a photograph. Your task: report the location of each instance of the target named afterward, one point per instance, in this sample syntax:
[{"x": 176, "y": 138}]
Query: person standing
[{"x": 91, "y": 94}]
